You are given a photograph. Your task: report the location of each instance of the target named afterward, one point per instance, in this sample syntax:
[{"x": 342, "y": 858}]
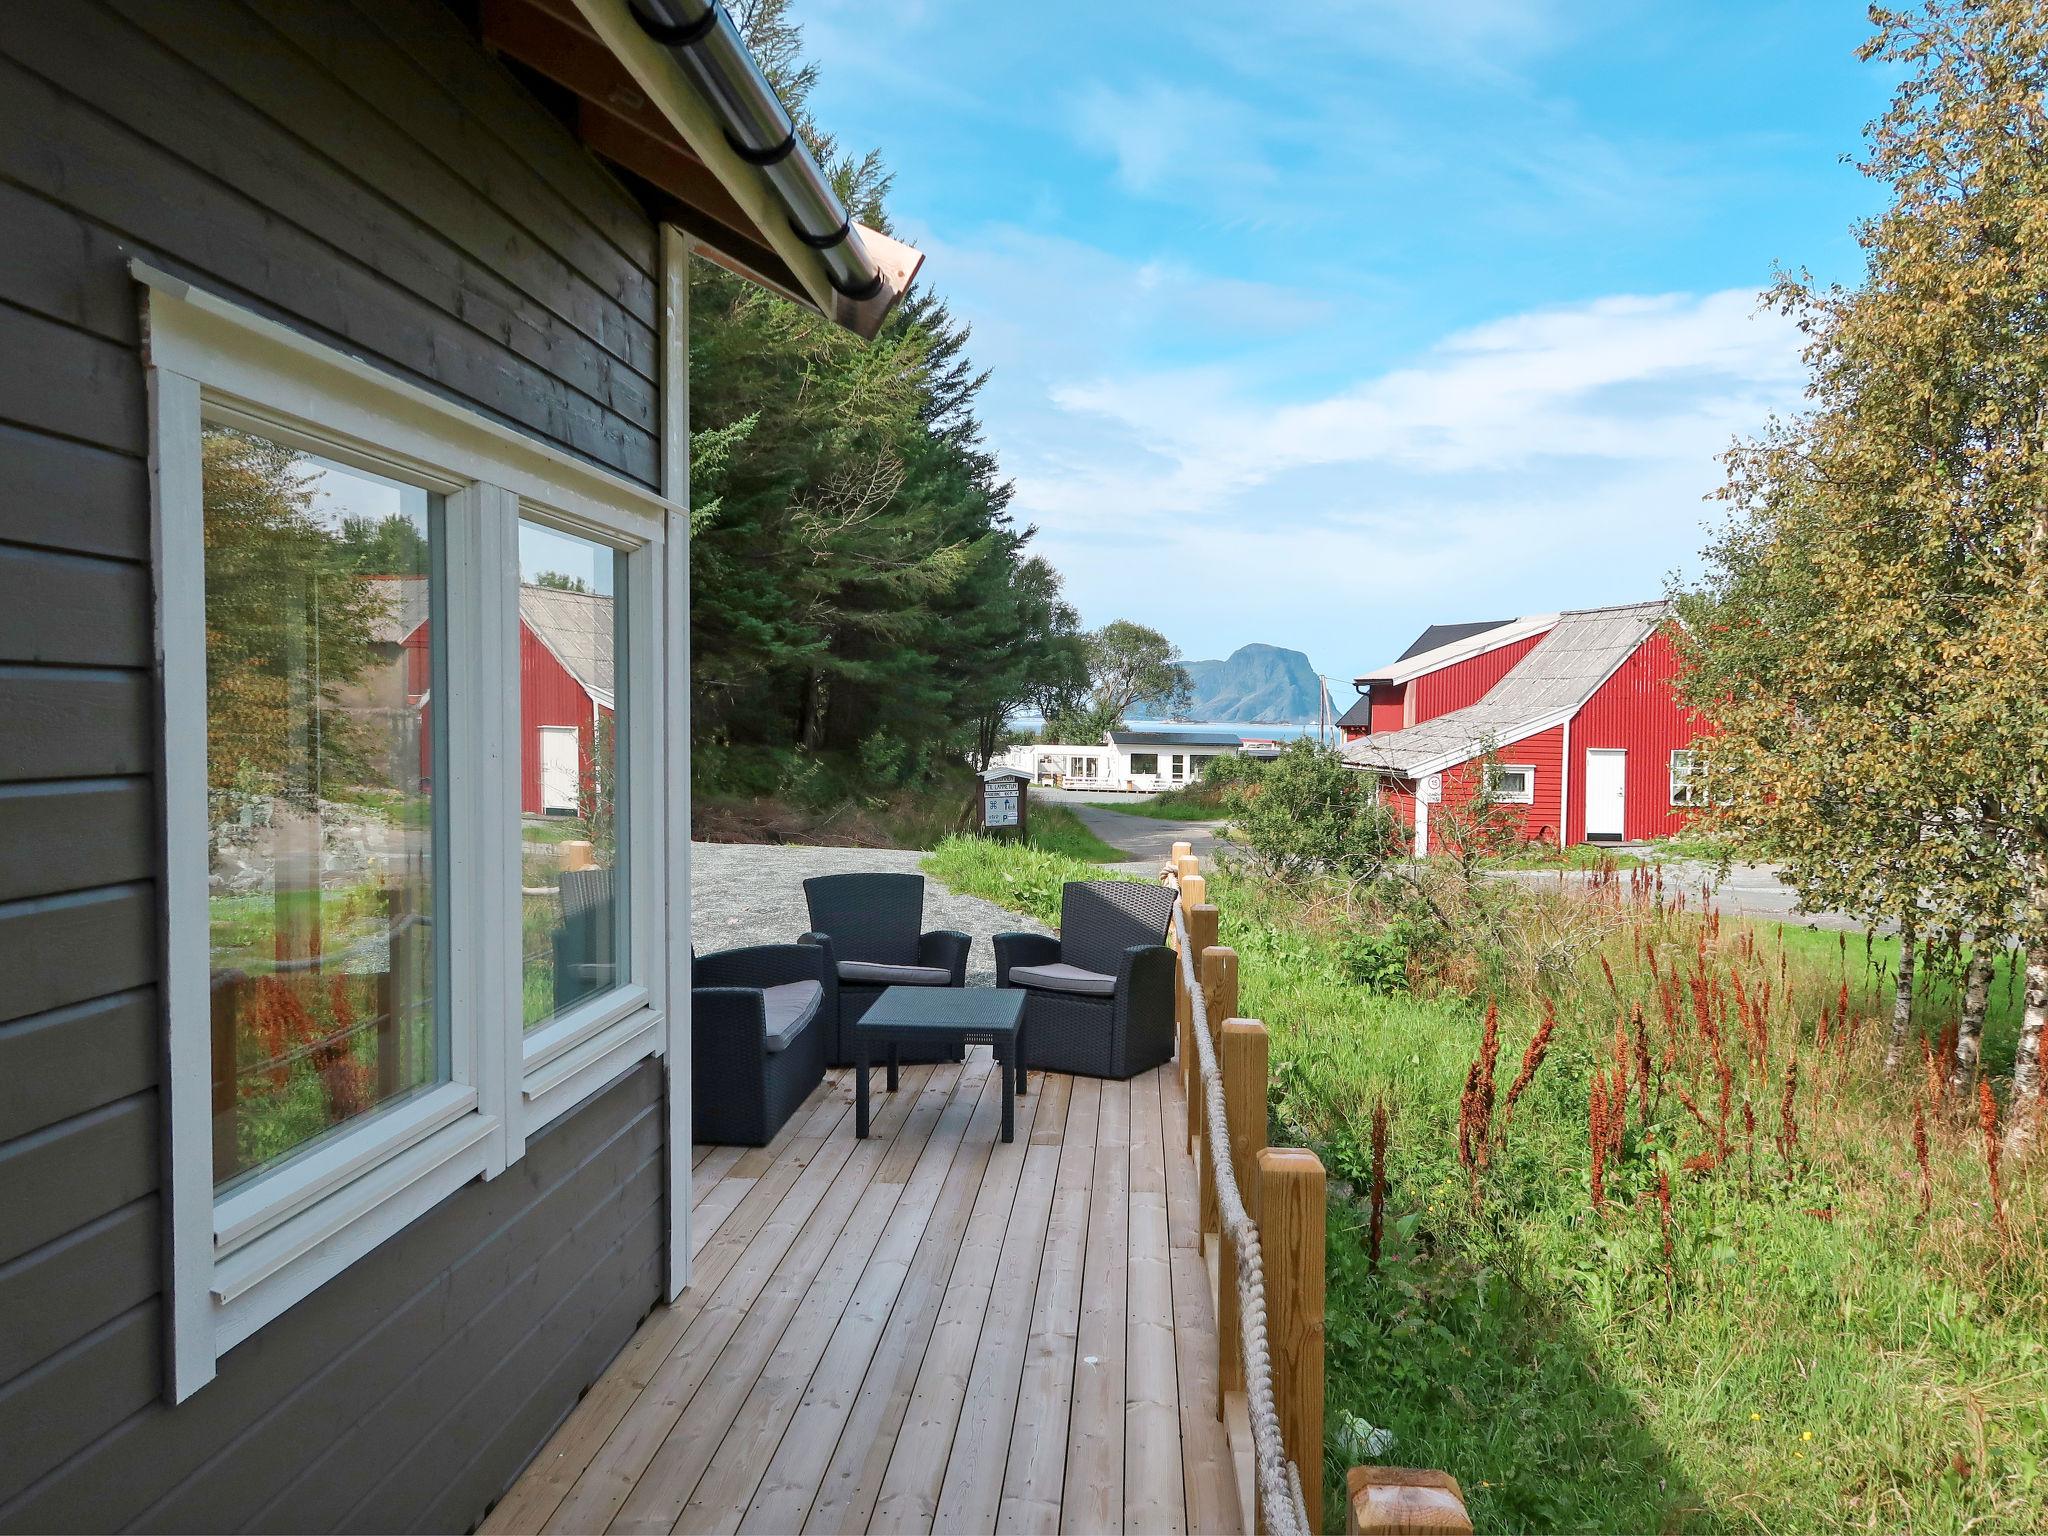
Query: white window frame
[
  {"x": 1528, "y": 795},
  {"x": 240, "y": 1259},
  {"x": 1694, "y": 770}
]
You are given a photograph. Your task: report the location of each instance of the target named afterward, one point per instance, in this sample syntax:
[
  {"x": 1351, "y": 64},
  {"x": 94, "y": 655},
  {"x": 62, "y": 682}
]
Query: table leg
[
  {"x": 860, "y": 1089},
  {"x": 1017, "y": 1056},
  {"x": 1009, "y": 1070},
  {"x": 892, "y": 1066}
]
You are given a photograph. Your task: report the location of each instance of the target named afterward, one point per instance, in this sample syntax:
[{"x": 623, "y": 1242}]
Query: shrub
[{"x": 1305, "y": 813}]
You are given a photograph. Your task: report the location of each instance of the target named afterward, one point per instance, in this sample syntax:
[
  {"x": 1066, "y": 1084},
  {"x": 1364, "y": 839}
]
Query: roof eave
[{"x": 1458, "y": 650}]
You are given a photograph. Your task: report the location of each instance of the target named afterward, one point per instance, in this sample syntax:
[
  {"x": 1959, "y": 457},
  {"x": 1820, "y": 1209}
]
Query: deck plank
[
  {"x": 970, "y": 1493},
  {"x": 853, "y": 1478},
  {"x": 1035, "y": 1473},
  {"x": 1093, "y": 1500},
  {"x": 1209, "y": 1484},
  {"x": 907, "y": 1500},
  {"x": 1154, "y": 1494},
  {"x": 797, "y": 1469},
  {"x": 828, "y": 1251},
  {"x": 928, "y": 1330},
  {"x": 604, "y": 1488}
]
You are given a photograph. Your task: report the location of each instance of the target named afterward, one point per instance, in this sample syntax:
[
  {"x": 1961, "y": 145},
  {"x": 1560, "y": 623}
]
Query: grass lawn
[
  {"x": 1173, "y": 805},
  {"x": 1056, "y": 829},
  {"x": 1578, "y": 856},
  {"x": 1815, "y": 1355}
]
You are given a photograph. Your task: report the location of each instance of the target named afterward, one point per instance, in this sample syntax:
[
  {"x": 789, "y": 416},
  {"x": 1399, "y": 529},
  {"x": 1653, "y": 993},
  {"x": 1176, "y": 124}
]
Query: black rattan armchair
[
  {"x": 760, "y": 1020},
  {"x": 868, "y": 926},
  {"x": 1101, "y": 994}
]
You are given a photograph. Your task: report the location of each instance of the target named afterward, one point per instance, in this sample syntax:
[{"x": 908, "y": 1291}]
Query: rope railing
[
  {"x": 1266, "y": 1209},
  {"x": 1278, "y": 1479}
]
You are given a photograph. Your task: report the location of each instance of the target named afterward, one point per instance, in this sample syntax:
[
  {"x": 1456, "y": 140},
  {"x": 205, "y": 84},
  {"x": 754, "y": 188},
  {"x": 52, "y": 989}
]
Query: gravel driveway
[{"x": 753, "y": 893}]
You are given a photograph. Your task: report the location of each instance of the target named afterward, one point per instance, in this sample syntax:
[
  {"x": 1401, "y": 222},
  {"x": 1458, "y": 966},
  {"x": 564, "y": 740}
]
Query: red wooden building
[
  {"x": 1590, "y": 740},
  {"x": 566, "y": 661}
]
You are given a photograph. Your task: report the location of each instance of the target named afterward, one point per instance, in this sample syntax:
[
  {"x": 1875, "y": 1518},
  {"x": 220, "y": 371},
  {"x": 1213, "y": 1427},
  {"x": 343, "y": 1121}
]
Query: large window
[
  {"x": 411, "y": 731},
  {"x": 1688, "y": 778},
  {"x": 572, "y": 838},
  {"x": 1144, "y": 762},
  {"x": 321, "y": 653}
]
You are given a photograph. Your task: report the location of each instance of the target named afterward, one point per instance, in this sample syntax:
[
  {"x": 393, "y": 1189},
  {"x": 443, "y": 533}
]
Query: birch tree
[{"x": 1872, "y": 634}]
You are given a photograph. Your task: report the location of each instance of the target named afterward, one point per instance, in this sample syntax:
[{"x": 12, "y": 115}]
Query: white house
[{"x": 1132, "y": 760}]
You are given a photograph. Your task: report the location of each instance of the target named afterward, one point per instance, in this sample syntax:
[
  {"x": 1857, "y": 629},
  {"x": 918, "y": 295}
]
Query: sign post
[{"x": 1005, "y": 795}]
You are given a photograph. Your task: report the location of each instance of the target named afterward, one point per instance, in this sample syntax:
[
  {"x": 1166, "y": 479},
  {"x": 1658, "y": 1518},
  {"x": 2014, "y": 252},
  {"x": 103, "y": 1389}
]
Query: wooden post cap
[
  {"x": 1404, "y": 1501},
  {"x": 1181, "y": 851},
  {"x": 1194, "y": 891},
  {"x": 576, "y": 854},
  {"x": 1187, "y": 865}
]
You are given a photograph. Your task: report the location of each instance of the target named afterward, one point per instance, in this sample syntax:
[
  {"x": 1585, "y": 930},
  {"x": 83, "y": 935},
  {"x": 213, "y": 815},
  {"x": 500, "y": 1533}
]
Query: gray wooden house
[{"x": 327, "y": 1180}]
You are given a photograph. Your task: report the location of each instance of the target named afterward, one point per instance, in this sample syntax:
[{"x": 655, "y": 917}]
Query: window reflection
[
  {"x": 572, "y": 669},
  {"x": 320, "y": 661}
]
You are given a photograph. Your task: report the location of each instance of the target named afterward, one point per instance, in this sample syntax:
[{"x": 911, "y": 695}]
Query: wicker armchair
[
  {"x": 760, "y": 1020},
  {"x": 867, "y": 925},
  {"x": 1101, "y": 994},
  {"x": 585, "y": 941}
]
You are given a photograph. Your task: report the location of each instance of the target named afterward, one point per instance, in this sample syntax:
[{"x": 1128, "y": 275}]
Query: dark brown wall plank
[
  {"x": 54, "y": 1180},
  {"x": 445, "y": 50},
  {"x": 57, "y": 1408},
  {"x": 62, "y": 1063},
  {"x": 62, "y": 380},
  {"x": 64, "y": 1290},
  {"x": 61, "y": 266},
  {"x": 387, "y": 77},
  {"x": 73, "y": 835},
  {"x": 312, "y": 1374},
  {"x": 74, "y": 724},
  {"x": 59, "y": 950},
  {"x": 73, "y": 609},
  {"x": 64, "y": 495}
]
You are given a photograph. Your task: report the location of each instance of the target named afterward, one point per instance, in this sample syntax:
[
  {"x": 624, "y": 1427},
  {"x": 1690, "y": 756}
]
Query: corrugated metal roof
[
  {"x": 578, "y": 627},
  {"x": 405, "y": 607},
  {"x": 1559, "y": 674}
]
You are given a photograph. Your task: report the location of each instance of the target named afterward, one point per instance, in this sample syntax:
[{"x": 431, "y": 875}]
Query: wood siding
[
  {"x": 1637, "y": 710},
  {"x": 361, "y": 171},
  {"x": 1462, "y": 682},
  {"x": 549, "y": 695}
]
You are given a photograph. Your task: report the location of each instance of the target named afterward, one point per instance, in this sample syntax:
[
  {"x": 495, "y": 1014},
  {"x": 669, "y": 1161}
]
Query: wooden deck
[{"x": 926, "y": 1331}]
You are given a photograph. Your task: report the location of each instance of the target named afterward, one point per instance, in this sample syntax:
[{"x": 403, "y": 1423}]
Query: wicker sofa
[
  {"x": 760, "y": 1022},
  {"x": 867, "y": 926},
  {"x": 1101, "y": 994}
]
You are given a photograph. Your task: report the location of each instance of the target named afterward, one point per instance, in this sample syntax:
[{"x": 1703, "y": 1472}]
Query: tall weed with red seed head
[
  {"x": 1532, "y": 1058},
  {"x": 1379, "y": 1178},
  {"x": 1987, "y": 1121}
]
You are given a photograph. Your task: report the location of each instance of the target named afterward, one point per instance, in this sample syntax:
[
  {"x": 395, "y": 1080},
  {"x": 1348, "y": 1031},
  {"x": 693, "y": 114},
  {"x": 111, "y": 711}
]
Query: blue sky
[{"x": 1316, "y": 323}]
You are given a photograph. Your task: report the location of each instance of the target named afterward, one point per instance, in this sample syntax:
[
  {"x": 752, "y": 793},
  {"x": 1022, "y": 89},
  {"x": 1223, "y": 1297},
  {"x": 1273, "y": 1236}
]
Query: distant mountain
[{"x": 1255, "y": 682}]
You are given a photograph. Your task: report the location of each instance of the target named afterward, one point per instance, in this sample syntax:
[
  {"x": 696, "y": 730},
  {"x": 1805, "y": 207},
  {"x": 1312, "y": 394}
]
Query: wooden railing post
[
  {"x": 1180, "y": 851},
  {"x": 1291, "y": 1216},
  {"x": 1404, "y": 1501},
  {"x": 1244, "y": 1057},
  {"x": 1201, "y": 939},
  {"x": 1193, "y": 888}
]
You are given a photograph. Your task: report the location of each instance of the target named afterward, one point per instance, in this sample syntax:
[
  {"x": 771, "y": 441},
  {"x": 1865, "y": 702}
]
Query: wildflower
[
  {"x": 1806, "y": 1434},
  {"x": 1755, "y": 1418}
]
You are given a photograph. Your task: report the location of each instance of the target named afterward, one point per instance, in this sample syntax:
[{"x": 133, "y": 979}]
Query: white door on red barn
[
  {"x": 1606, "y": 794},
  {"x": 560, "y": 758}
]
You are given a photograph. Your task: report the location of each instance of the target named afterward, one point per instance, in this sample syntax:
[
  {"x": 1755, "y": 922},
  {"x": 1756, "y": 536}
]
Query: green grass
[
  {"x": 1526, "y": 1347},
  {"x": 1023, "y": 878},
  {"x": 1189, "y": 804},
  {"x": 1055, "y": 829},
  {"x": 1578, "y": 856}
]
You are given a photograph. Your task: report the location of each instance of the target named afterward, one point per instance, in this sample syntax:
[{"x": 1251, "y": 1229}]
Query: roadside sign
[{"x": 1432, "y": 789}]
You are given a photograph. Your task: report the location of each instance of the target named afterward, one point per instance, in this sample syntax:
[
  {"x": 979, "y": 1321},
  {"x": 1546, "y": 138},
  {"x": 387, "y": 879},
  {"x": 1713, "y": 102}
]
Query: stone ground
[{"x": 753, "y": 893}]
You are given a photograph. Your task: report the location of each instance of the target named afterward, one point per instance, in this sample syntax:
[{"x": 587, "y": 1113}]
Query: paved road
[
  {"x": 1751, "y": 890},
  {"x": 1150, "y": 843},
  {"x": 753, "y": 893}
]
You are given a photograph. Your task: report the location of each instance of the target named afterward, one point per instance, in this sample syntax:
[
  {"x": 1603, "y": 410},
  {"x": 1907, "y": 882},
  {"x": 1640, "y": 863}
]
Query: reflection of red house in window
[
  {"x": 566, "y": 664},
  {"x": 1588, "y": 732}
]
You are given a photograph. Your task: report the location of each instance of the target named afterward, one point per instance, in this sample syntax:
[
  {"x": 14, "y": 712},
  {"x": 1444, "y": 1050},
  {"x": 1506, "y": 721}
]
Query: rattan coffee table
[{"x": 942, "y": 1016}]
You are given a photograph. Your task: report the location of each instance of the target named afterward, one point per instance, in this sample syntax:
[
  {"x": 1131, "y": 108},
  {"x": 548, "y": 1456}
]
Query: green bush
[
  {"x": 1378, "y": 962},
  {"x": 1305, "y": 813}
]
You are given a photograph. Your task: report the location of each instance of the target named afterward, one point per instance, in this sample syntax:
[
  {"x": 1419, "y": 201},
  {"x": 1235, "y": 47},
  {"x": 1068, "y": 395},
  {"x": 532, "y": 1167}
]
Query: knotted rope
[{"x": 1278, "y": 1480}]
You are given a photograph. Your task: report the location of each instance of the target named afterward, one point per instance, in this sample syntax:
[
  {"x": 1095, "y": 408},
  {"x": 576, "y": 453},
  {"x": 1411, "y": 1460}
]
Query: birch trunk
[
  {"x": 2025, "y": 1113},
  {"x": 1970, "y": 1033},
  {"x": 1902, "y": 998}
]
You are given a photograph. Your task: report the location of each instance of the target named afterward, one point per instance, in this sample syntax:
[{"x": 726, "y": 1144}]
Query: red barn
[
  {"x": 1591, "y": 741},
  {"x": 566, "y": 650}
]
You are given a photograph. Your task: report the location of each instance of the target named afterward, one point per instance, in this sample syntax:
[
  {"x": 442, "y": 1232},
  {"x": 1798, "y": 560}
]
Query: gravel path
[{"x": 753, "y": 893}]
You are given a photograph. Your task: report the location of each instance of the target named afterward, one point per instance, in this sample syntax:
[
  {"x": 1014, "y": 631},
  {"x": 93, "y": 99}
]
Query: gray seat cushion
[
  {"x": 789, "y": 1008},
  {"x": 874, "y": 975},
  {"x": 1060, "y": 977}
]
